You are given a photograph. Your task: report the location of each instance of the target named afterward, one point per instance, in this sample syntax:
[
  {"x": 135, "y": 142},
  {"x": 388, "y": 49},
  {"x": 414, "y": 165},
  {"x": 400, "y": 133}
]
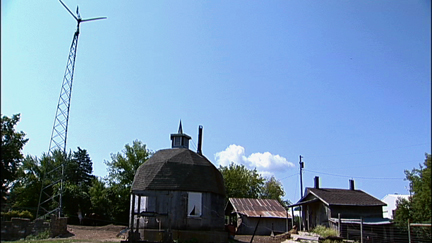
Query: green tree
[
  {"x": 77, "y": 183},
  {"x": 417, "y": 208},
  {"x": 12, "y": 143},
  {"x": 273, "y": 189},
  {"x": 241, "y": 182},
  {"x": 123, "y": 165},
  {"x": 121, "y": 172},
  {"x": 80, "y": 168},
  {"x": 99, "y": 198},
  {"x": 25, "y": 191}
]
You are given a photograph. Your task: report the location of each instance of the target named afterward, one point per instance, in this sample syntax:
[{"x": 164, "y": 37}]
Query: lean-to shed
[
  {"x": 246, "y": 213},
  {"x": 178, "y": 194}
]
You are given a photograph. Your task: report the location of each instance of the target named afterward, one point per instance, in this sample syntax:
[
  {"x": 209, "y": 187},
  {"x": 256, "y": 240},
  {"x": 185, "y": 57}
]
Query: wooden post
[
  {"x": 339, "y": 225},
  {"x": 307, "y": 218},
  {"x": 256, "y": 227},
  {"x": 139, "y": 211},
  {"x": 132, "y": 212},
  {"x": 409, "y": 232},
  {"x": 301, "y": 218},
  {"x": 361, "y": 229},
  {"x": 292, "y": 215}
]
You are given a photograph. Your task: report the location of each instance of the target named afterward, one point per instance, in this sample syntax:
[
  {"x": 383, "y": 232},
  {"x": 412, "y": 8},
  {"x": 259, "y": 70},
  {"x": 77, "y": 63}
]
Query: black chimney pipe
[
  {"x": 351, "y": 182},
  {"x": 200, "y": 128},
  {"x": 317, "y": 182}
]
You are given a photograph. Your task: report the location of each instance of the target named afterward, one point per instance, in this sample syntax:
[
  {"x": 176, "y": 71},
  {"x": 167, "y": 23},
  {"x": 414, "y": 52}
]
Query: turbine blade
[
  {"x": 84, "y": 20},
  {"x": 64, "y": 5}
]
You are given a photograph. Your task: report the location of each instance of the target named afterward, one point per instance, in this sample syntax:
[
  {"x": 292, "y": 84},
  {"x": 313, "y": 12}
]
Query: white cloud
[{"x": 266, "y": 163}]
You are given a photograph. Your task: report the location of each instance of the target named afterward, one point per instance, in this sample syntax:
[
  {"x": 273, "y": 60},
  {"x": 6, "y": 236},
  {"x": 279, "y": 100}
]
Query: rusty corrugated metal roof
[{"x": 267, "y": 208}]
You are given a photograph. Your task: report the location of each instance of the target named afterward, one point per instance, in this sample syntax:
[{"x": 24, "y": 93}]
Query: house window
[
  {"x": 142, "y": 205},
  {"x": 194, "y": 204}
]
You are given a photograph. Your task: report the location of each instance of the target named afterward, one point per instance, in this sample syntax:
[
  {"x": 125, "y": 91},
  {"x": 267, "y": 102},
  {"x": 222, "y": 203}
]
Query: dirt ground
[
  {"x": 112, "y": 233},
  {"x": 96, "y": 233}
]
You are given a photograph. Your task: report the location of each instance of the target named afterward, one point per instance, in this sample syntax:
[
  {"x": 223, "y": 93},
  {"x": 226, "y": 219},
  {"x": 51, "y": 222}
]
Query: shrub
[
  {"x": 41, "y": 236},
  {"x": 324, "y": 231},
  {"x": 26, "y": 214},
  {"x": 15, "y": 213}
]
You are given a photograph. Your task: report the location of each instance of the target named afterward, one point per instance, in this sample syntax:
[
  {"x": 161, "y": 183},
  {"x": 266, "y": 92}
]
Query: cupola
[{"x": 179, "y": 139}]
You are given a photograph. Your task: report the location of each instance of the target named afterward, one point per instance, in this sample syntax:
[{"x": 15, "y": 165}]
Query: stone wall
[
  {"x": 19, "y": 228},
  {"x": 58, "y": 226}
]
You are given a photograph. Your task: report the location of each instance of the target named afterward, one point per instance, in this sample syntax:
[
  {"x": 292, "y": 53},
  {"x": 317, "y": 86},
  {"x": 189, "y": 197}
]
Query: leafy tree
[
  {"x": 123, "y": 166},
  {"x": 273, "y": 189},
  {"x": 417, "y": 208},
  {"x": 80, "y": 168},
  {"x": 241, "y": 182},
  {"x": 76, "y": 184},
  {"x": 25, "y": 191},
  {"x": 121, "y": 172},
  {"x": 99, "y": 198},
  {"x": 12, "y": 143}
]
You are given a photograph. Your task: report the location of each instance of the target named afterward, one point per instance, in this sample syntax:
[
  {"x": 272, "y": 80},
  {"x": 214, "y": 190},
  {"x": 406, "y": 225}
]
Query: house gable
[{"x": 342, "y": 197}]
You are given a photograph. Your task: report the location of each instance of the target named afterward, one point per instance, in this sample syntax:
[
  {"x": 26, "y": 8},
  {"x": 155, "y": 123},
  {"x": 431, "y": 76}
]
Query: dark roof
[
  {"x": 268, "y": 208},
  {"x": 178, "y": 169},
  {"x": 346, "y": 197}
]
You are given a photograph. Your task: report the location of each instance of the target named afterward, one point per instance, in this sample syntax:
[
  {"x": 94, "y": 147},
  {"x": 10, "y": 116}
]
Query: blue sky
[{"x": 345, "y": 84}]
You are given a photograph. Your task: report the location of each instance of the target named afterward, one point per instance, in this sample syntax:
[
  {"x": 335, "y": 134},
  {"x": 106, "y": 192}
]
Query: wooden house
[
  {"x": 246, "y": 213},
  {"x": 178, "y": 194},
  {"x": 342, "y": 209}
]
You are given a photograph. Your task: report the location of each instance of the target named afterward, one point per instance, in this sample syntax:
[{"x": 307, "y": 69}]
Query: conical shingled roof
[{"x": 178, "y": 169}]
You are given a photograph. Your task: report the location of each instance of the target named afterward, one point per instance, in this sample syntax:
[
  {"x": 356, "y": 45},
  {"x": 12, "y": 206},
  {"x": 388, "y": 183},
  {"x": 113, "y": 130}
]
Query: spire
[
  {"x": 179, "y": 139},
  {"x": 180, "y": 130}
]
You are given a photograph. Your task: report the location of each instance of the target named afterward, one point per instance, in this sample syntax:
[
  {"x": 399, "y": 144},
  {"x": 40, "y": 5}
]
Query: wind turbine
[{"x": 59, "y": 132}]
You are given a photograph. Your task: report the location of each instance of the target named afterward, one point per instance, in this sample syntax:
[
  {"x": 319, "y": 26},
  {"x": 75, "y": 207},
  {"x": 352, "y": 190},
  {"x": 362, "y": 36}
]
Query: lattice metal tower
[{"x": 50, "y": 200}]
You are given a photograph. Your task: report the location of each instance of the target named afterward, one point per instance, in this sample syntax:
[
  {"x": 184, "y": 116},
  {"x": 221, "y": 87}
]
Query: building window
[
  {"x": 142, "y": 206},
  {"x": 194, "y": 204}
]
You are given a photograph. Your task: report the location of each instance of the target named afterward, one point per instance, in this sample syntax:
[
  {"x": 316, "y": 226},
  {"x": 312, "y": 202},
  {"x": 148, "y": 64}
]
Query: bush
[
  {"x": 41, "y": 236},
  {"x": 324, "y": 231},
  {"x": 15, "y": 213}
]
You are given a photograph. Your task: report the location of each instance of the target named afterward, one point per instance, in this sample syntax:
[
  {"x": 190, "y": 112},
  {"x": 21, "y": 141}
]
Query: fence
[
  {"x": 419, "y": 232},
  {"x": 377, "y": 231}
]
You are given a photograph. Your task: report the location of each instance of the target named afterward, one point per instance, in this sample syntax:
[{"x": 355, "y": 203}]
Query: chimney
[
  {"x": 351, "y": 184},
  {"x": 200, "y": 128},
  {"x": 316, "y": 180}
]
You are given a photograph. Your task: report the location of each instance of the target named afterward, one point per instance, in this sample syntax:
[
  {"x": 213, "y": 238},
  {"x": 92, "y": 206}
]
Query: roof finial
[{"x": 180, "y": 130}]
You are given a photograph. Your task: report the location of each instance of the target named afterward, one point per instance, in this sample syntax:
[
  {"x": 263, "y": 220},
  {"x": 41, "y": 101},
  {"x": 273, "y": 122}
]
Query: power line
[
  {"x": 367, "y": 151},
  {"x": 289, "y": 176},
  {"x": 375, "y": 165},
  {"x": 358, "y": 177}
]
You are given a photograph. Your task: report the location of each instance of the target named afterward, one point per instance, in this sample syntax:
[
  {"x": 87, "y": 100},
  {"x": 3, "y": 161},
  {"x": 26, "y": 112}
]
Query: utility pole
[
  {"x": 301, "y": 192},
  {"x": 301, "y": 176}
]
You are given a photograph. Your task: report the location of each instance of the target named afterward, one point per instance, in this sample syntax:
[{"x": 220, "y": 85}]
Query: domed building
[{"x": 178, "y": 194}]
